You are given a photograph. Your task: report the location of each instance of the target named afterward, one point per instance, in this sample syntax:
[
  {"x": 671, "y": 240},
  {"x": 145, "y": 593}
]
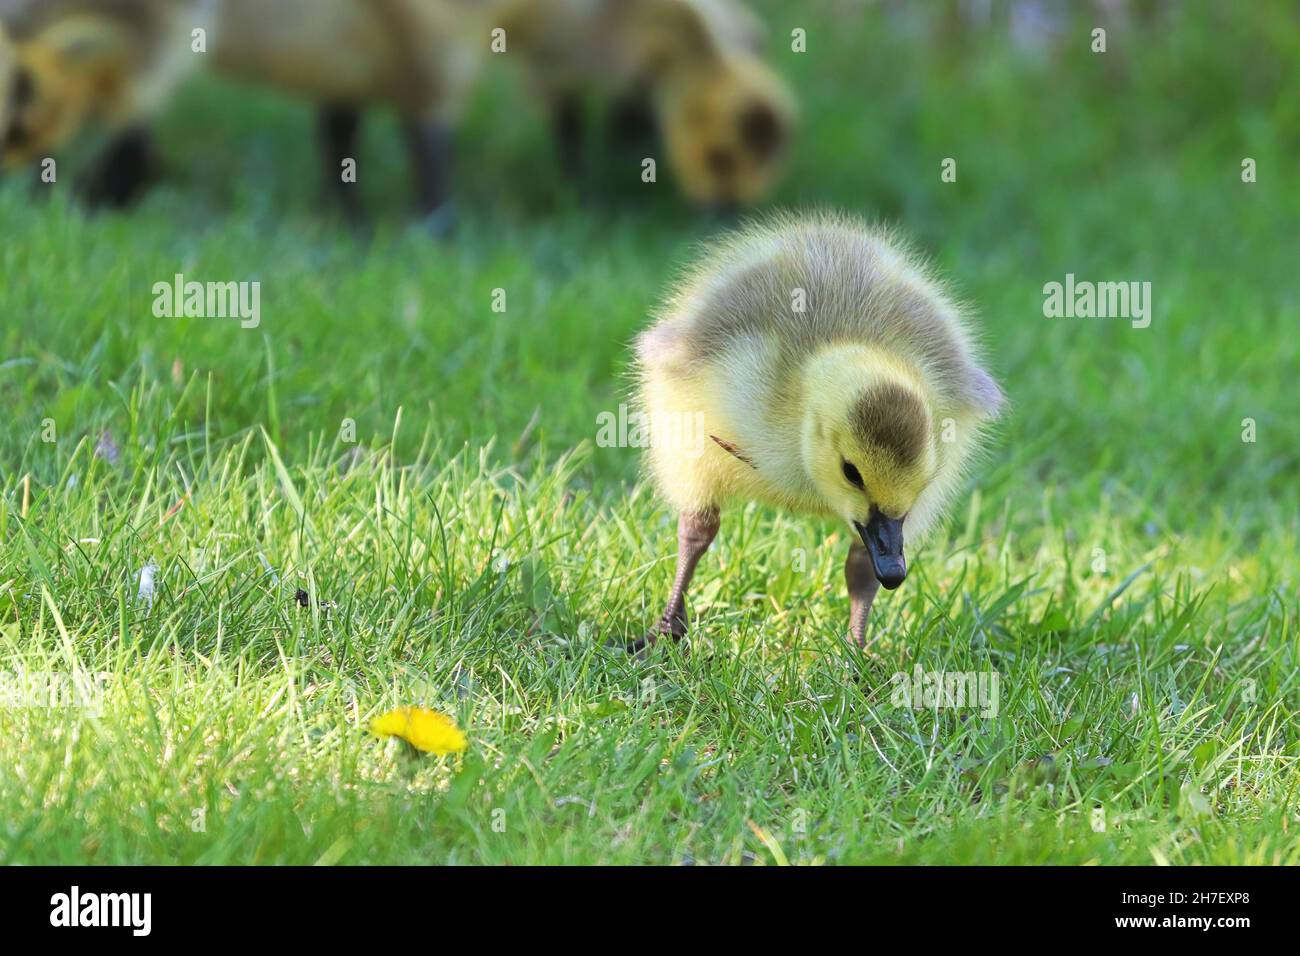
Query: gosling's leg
[
  {"x": 567, "y": 129},
  {"x": 632, "y": 121},
  {"x": 429, "y": 143},
  {"x": 860, "y": 577},
  {"x": 338, "y": 141},
  {"x": 695, "y": 532},
  {"x": 120, "y": 174}
]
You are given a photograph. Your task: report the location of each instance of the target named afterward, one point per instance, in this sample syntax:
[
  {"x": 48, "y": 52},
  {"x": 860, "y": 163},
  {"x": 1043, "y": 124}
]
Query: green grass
[{"x": 1122, "y": 561}]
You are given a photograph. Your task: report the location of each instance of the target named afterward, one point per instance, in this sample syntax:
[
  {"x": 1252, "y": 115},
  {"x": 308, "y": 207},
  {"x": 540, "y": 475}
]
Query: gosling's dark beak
[{"x": 883, "y": 537}]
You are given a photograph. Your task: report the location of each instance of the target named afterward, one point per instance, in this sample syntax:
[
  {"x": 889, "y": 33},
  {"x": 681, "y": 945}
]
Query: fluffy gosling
[
  {"x": 692, "y": 69},
  {"x": 811, "y": 363}
]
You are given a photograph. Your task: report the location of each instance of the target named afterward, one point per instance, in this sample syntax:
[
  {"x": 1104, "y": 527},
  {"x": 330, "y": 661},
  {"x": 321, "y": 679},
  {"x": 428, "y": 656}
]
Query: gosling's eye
[{"x": 851, "y": 474}]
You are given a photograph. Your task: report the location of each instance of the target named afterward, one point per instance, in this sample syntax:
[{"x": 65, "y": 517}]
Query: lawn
[{"x": 1124, "y": 562}]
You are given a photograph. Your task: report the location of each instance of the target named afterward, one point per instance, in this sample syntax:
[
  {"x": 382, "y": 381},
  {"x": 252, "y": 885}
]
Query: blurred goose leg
[
  {"x": 632, "y": 122},
  {"x": 119, "y": 175},
  {"x": 339, "y": 126},
  {"x": 430, "y": 145},
  {"x": 567, "y": 128},
  {"x": 37, "y": 187}
]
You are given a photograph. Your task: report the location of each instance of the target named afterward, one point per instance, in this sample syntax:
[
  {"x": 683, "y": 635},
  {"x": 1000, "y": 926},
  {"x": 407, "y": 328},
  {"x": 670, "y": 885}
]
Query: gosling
[
  {"x": 690, "y": 69},
  {"x": 814, "y": 364}
]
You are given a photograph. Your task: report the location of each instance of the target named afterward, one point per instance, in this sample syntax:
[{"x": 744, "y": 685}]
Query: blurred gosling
[
  {"x": 690, "y": 68},
  {"x": 116, "y": 63},
  {"x": 72, "y": 64}
]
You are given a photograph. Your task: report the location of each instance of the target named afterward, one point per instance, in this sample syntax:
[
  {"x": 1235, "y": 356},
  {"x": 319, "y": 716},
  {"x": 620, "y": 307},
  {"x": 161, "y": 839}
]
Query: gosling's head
[
  {"x": 727, "y": 124},
  {"x": 869, "y": 449},
  {"x": 50, "y": 85},
  {"x": 726, "y": 117}
]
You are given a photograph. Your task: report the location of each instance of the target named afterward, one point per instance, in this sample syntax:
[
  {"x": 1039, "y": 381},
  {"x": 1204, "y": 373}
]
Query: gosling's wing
[
  {"x": 664, "y": 348},
  {"x": 984, "y": 394}
]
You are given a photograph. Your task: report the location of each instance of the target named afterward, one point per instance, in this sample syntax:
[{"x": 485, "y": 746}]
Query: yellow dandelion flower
[{"x": 423, "y": 729}]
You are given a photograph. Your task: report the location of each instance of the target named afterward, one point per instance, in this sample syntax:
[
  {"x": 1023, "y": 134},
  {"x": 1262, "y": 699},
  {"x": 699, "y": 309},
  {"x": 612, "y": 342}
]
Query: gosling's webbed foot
[
  {"x": 640, "y": 648},
  {"x": 676, "y": 629},
  {"x": 441, "y": 223}
]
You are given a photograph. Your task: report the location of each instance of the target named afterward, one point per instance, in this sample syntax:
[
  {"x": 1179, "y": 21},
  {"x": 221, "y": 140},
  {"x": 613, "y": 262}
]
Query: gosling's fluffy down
[{"x": 815, "y": 364}]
